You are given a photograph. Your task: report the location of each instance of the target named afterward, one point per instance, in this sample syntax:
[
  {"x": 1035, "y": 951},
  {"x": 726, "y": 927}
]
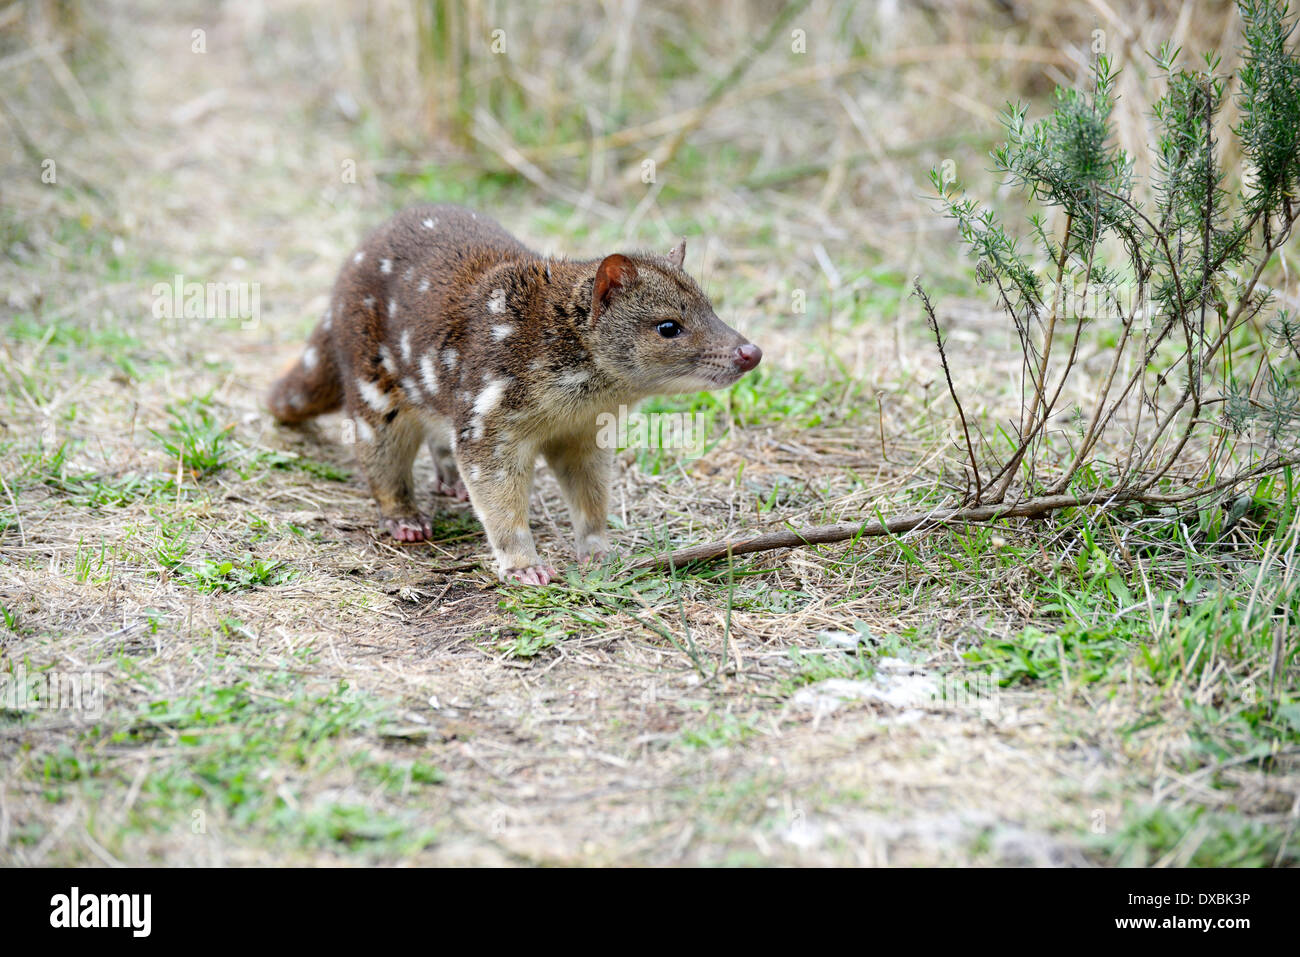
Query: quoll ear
[
  {"x": 615, "y": 272},
  {"x": 677, "y": 255}
]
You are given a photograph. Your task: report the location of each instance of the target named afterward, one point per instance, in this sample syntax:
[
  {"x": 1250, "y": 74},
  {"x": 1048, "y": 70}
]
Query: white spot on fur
[
  {"x": 368, "y": 302},
  {"x": 386, "y": 359},
  {"x": 474, "y": 473},
  {"x": 296, "y": 400},
  {"x": 410, "y": 271},
  {"x": 364, "y": 432},
  {"x": 490, "y": 396},
  {"x": 372, "y": 396},
  {"x": 392, "y": 308},
  {"x": 429, "y": 223},
  {"x": 501, "y": 331},
  {"x": 423, "y": 286},
  {"x": 411, "y": 389},
  {"x": 450, "y": 358},
  {"x": 575, "y": 377},
  {"x": 359, "y": 256},
  {"x": 497, "y": 302},
  {"x": 428, "y": 373},
  {"x": 405, "y": 346},
  {"x": 385, "y": 266},
  {"x": 309, "y": 358}
]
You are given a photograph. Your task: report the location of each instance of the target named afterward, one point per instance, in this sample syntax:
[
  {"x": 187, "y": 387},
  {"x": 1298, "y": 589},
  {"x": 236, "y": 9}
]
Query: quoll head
[{"x": 654, "y": 327}]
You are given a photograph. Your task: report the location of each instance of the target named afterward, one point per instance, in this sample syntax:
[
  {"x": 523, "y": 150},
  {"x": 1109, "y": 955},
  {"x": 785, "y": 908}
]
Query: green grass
[
  {"x": 289, "y": 462},
  {"x": 458, "y": 184},
  {"x": 237, "y": 574},
  {"x": 539, "y": 621},
  {"x": 1195, "y": 837},
  {"x": 195, "y": 438},
  {"x": 235, "y": 753},
  {"x": 1181, "y": 620},
  {"x": 810, "y": 667},
  {"x": 50, "y": 469},
  {"x": 720, "y": 730},
  {"x": 173, "y": 556},
  {"x": 65, "y": 342}
]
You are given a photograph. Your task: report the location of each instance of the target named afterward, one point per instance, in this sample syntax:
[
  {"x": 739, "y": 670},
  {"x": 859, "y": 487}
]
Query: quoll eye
[{"x": 669, "y": 329}]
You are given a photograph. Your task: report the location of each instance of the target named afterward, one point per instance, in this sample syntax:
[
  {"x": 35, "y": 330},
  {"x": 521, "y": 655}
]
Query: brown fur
[{"x": 443, "y": 326}]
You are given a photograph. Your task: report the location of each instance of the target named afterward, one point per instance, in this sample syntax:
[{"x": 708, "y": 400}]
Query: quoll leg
[
  {"x": 387, "y": 453},
  {"x": 583, "y": 470},
  {"x": 499, "y": 494},
  {"x": 447, "y": 480}
]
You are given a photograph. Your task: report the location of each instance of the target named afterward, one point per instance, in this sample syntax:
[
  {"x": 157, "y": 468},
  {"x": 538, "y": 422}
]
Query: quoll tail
[{"x": 311, "y": 387}]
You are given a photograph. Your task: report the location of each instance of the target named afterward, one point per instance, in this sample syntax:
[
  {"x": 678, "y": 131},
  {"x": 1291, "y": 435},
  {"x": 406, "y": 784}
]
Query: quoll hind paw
[
  {"x": 415, "y": 528},
  {"x": 533, "y": 575},
  {"x": 458, "y": 491}
]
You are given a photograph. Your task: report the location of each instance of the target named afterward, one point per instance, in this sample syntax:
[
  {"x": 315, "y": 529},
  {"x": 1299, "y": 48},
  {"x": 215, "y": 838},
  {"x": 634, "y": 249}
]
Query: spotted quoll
[{"x": 443, "y": 327}]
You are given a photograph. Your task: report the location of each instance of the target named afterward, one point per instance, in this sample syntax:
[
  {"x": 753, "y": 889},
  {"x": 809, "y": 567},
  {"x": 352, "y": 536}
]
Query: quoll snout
[{"x": 747, "y": 356}]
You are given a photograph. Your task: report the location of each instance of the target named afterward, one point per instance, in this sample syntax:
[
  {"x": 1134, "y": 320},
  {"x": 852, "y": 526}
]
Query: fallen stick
[{"x": 844, "y": 531}]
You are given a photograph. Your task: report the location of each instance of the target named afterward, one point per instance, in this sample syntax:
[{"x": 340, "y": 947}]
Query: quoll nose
[{"x": 747, "y": 356}]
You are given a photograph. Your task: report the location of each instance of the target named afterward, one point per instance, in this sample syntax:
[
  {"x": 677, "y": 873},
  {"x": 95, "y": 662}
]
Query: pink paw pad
[
  {"x": 533, "y": 575},
  {"x": 414, "y": 529}
]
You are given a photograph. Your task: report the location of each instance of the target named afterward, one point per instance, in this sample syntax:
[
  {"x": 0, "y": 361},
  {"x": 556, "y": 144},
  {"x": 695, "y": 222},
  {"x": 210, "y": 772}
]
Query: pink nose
[{"x": 747, "y": 356}]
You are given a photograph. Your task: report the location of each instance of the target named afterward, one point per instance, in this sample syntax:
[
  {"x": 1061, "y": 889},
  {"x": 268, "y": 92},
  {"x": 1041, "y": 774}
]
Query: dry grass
[{"x": 661, "y": 720}]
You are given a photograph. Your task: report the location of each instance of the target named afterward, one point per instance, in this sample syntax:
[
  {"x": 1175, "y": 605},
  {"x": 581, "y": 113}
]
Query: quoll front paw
[
  {"x": 594, "y": 548},
  {"x": 533, "y": 575},
  {"x": 413, "y": 528},
  {"x": 458, "y": 491}
]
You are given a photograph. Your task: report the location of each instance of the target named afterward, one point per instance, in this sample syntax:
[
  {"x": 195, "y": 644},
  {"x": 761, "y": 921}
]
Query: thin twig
[{"x": 943, "y": 359}]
